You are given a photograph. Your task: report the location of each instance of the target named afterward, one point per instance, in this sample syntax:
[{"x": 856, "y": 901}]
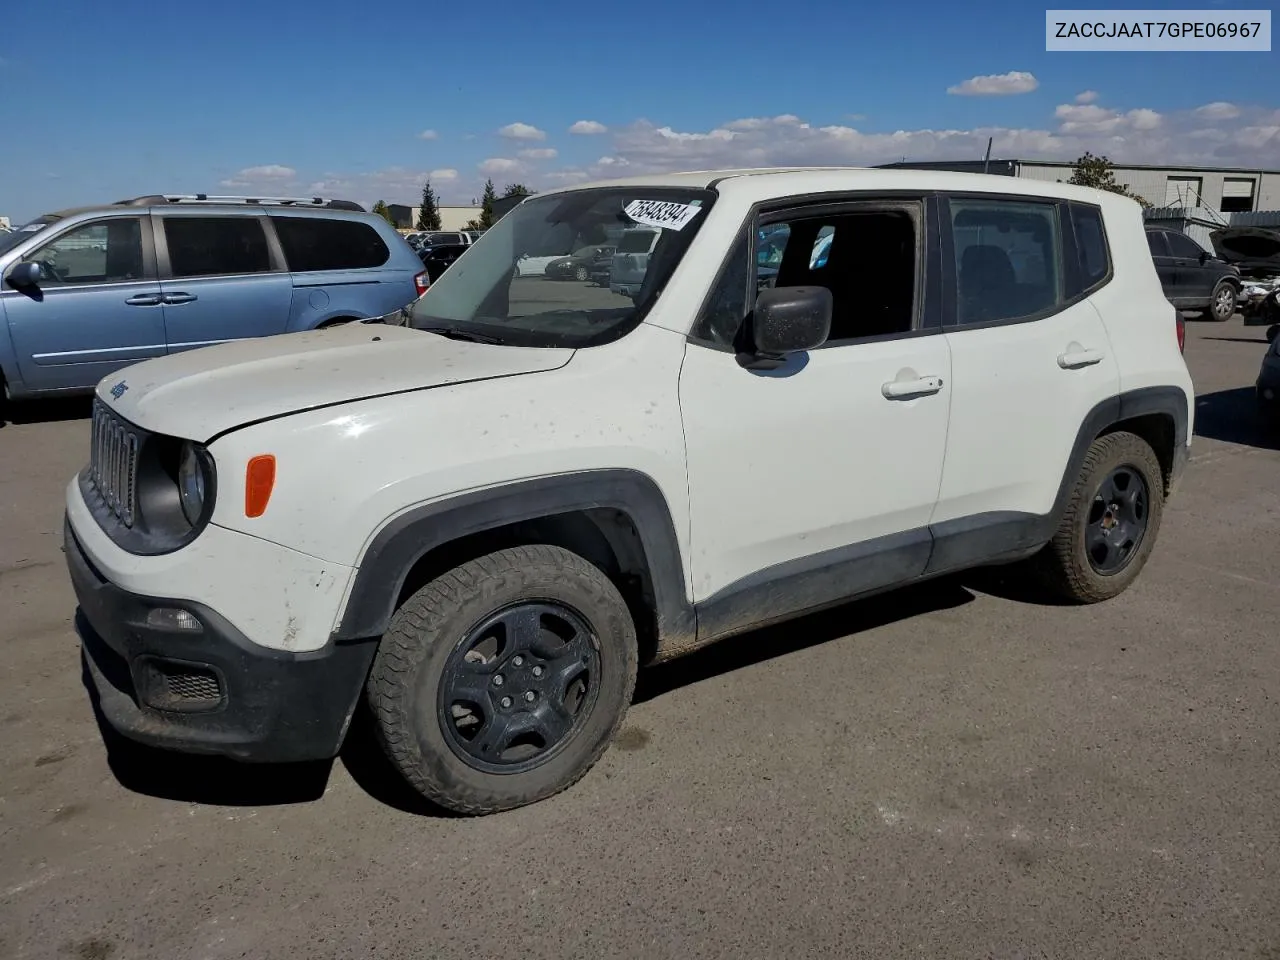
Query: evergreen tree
[
  {"x": 429, "y": 212},
  {"x": 380, "y": 208},
  {"x": 487, "y": 218},
  {"x": 516, "y": 190}
]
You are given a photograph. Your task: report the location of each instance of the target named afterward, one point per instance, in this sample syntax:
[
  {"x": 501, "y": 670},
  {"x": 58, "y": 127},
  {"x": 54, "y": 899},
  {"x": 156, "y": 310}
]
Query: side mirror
[
  {"x": 791, "y": 320},
  {"x": 1204, "y": 257},
  {"x": 26, "y": 274}
]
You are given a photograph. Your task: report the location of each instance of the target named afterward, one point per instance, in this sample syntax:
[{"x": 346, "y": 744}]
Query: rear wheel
[
  {"x": 1110, "y": 524},
  {"x": 581, "y": 273},
  {"x": 1223, "y": 305},
  {"x": 502, "y": 681}
]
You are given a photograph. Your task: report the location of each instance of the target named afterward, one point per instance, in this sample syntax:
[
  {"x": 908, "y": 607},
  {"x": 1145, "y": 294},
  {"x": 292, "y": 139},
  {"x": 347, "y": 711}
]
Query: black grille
[
  {"x": 168, "y": 685},
  {"x": 113, "y": 463}
]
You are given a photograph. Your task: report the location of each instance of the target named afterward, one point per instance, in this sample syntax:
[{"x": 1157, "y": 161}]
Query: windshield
[{"x": 499, "y": 290}]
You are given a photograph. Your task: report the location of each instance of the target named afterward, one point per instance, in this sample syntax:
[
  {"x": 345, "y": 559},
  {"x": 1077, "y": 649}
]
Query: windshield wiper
[{"x": 457, "y": 333}]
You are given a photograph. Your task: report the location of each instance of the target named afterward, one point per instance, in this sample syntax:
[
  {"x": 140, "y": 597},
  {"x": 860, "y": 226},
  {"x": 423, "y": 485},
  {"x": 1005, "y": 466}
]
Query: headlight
[{"x": 191, "y": 483}]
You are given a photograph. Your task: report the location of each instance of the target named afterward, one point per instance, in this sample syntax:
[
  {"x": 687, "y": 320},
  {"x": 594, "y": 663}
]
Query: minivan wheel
[
  {"x": 1223, "y": 306},
  {"x": 1110, "y": 523},
  {"x": 502, "y": 681}
]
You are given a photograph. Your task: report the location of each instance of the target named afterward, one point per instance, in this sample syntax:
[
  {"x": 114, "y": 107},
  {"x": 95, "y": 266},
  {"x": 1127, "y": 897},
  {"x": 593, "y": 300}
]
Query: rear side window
[
  {"x": 1091, "y": 245},
  {"x": 1008, "y": 259},
  {"x": 216, "y": 246},
  {"x": 314, "y": 243}
]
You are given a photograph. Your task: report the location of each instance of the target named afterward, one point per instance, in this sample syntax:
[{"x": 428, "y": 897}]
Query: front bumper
[{"x": 209, "y": 690}]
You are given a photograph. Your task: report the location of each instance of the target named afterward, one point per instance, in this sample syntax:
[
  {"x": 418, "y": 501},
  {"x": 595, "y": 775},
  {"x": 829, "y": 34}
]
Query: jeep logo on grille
[{"x": 118, "y": 390}]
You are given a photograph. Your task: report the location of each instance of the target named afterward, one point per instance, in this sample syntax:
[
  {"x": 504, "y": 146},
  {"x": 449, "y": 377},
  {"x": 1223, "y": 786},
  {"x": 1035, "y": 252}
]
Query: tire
[
  {"x": 438, "y": 708},
  {"x": 582, "y": 273},
  {"x": 1222, "y": 306},
  {"x": 1069, "y": 566}
]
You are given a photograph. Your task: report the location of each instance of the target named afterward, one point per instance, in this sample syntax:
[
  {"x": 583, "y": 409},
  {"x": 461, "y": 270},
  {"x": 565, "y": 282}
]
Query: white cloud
[
  {"x": 996, "y": 85},
  {"x": 497, "y": 165},
  {"x": 446, "y": 173},
  {"x": 1089, "y": 118},
  {"x": 588, "y": 128},
  {"x": 266, "y": 173},
  {"x": 522, "y": 131},
  {"x": 1087, "y": 96},
  {"x": 540, "y": 153},
  {"x": 855, "y": 116},
  {"x": 428, "y": 135},
  {"x": 1218, "y": 110}
]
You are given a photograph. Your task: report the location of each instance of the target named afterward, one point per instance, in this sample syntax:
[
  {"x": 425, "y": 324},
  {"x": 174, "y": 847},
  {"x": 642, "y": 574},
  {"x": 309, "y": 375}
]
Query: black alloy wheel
[
  {"x": 518, "y": 686},
  {"x": 1117, "y": 520}
]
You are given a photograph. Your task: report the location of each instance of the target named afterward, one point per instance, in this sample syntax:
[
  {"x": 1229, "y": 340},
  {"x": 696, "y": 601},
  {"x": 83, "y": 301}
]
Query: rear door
[
  {"x": 220, "y": 278},
  {"x": 1165, "y": 269},
  {"x": 1030, "y": 359},
  {"x": 96, "y": 310}
]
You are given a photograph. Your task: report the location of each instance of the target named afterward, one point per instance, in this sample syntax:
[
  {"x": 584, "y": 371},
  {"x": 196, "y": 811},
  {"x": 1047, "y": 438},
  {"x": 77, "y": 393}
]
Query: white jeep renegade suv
[{"x": 483, "y": 520}]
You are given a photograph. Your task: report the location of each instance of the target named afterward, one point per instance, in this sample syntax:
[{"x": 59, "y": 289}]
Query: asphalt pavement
[{"x": 953, "y": 770}]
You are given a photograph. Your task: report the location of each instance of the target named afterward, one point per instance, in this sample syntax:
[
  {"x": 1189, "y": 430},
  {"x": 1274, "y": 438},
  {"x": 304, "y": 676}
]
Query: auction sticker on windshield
[{"x": 660, "y": 213}]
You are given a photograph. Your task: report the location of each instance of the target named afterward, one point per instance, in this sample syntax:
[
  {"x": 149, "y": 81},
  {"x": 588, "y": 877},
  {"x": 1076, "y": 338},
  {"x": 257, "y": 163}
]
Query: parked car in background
[
  {"x": 578, "y": 266},
  {"x": 1193, "y": 278},
  {"x": 87, "y": 291},
  {"x": 1268, "y": 386},
  {"x": 437, "y": 258},
  {"x": 535, "y": 266},
  {"x": 631, "y": 260}
]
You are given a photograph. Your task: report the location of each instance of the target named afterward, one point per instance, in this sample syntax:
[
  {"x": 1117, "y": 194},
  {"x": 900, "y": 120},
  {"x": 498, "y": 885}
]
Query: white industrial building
[{"x": 1225, "y": 189}]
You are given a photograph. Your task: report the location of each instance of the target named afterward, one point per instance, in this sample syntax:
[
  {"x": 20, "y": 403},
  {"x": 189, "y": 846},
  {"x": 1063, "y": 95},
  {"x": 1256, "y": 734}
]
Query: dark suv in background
[{"x": 1192, "y": 277}]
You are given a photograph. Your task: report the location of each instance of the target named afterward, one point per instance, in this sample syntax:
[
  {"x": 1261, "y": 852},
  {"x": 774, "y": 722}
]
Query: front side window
[
  {"x": 1008, "y": 259},
  {"x": 316, "y": 243},
  {"x": 491, "y": 292},
  {"x": 216, "y": 246},
  {"x": 109, "y": 251},
  {"x": 1184, "y": 247},
  {"x": 1156, "y": 243}
]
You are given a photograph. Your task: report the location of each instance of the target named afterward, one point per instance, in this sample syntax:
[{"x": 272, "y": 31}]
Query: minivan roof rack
[{"x": 163, "y": 198}]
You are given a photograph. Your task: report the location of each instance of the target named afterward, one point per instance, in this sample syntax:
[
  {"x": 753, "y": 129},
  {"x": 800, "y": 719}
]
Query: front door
[
  {"x": 1165, "y": 268},
  {"x": 1196, "y": 273},
  {"x": 96, "y": 310},
  {"x": 815, "y": 481},
  {"x": 220, "y": 280}
]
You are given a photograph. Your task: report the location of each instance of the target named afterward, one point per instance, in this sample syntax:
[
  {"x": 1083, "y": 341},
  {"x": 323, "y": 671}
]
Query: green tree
[
  {"x": 516, "y": 190},
  {"x": 1097, "y": 172},
  {"x": 487, "y": 218},
  {"x": 429, "y": 212},
  {"x": 381, "y": 209}
]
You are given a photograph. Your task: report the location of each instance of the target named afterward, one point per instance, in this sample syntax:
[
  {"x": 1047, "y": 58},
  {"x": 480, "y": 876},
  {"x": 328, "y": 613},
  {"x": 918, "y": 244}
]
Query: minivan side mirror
[
  {"x": 1204, "y": 257},
  {"x": 791, "y": 320},
  {"x": 26, "y": 274}
]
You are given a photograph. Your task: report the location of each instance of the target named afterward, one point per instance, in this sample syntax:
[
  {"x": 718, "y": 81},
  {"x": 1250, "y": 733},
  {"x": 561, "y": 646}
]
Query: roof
[{"x": 759, "y": 184}]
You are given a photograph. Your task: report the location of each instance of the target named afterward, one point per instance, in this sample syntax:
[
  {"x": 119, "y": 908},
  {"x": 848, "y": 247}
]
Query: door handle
[
  {"x": 907, "y": 389},
  {"x": 144, "y": 300},
  {"x": 1076, "y": 359},
  {"x": 175, "y": 298}
]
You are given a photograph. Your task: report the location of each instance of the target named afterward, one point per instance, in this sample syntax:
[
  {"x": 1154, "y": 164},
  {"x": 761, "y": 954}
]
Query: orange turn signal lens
[{"x": 259, "y": 478}]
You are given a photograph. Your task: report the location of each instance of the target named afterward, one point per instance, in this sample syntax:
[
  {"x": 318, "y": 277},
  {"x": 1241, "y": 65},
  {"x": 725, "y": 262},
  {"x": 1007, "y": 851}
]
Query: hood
[
  {"x": 201, "y": 393},
  {"x": 1249, "y": 247}
]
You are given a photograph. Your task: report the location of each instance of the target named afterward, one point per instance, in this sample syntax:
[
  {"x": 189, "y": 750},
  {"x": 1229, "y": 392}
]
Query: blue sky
[{"x": 364, "y": 101}]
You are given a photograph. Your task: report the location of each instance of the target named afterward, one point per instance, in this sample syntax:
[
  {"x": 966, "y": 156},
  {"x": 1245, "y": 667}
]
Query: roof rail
[{"x": 164, "y": 198}]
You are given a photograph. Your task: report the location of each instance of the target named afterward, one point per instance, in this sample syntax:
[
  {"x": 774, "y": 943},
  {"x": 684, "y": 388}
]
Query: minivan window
[
  {"x": 1008, "y": 259},
  {"x": 108, "y": 251},
  {"x": 316, "y": 243},
  {"x": 216, "y": 246},
  {"x": 1183, "y": 246},
  {"x": 636, "y": 241}
]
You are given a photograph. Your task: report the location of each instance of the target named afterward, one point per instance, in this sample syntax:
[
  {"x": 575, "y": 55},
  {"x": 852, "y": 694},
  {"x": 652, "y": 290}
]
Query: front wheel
[
  {"x": 1223, "y": 305},
  {"x": 503, "y": 681},
  {"x": 1110, "y": 523}
]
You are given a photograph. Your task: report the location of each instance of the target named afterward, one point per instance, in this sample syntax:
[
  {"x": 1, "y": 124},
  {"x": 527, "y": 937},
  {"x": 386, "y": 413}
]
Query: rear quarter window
[
  {"x": 315, "y": 243},
  {"x": 1092, "y": 254}
]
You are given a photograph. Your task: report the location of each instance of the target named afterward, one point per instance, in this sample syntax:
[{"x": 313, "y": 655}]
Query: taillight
[
  {"x": 1182, "y": 334},
  {"x": 422, "y": 283}
]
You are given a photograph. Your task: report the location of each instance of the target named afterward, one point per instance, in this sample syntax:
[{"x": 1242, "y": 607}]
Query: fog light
[{"x": 171, "y": 618}]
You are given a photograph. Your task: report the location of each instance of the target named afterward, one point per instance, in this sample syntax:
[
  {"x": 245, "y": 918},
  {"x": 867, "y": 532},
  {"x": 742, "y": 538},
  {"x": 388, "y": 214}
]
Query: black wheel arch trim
[{"x": 409, "y": 537}]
